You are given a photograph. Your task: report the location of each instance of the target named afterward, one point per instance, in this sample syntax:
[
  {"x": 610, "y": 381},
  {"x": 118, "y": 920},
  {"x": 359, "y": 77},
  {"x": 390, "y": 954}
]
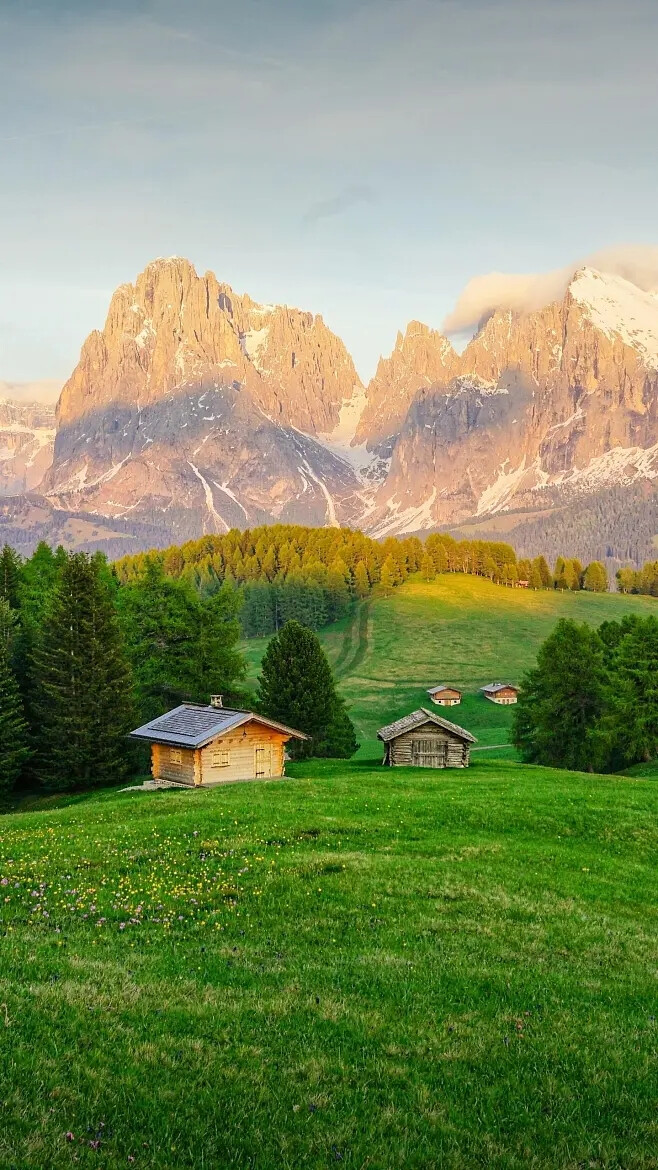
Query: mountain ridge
[{"x": 197, "y": 409}]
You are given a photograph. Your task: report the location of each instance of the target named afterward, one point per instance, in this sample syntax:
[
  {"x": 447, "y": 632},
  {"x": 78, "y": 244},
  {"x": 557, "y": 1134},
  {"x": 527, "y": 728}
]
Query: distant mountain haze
[{"x": 196, "y": 409}]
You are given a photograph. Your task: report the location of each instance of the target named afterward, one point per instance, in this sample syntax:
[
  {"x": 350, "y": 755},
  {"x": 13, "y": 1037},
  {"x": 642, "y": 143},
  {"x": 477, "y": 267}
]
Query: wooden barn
[
  {"x": 425, "y": 740},
  {"x": 445, "y": 696},
  {"x": 199, "y": 745},
  {"x": 502, "y": 693}
]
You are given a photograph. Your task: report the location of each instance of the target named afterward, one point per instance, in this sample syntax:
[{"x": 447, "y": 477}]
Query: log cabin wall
[
  {"x": 171, "y": 763},
  {"x": 248, "y": 753},
  {"x": 428, "y": 747}
]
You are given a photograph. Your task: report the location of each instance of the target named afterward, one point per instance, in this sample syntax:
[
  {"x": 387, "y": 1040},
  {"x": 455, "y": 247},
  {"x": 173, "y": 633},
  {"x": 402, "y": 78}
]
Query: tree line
[
  {"x": 591, "y": 702},
  {"x": 84, "y": 659},
  {"x": 312, "y": 575},
  {"x": 644, "y": 580}
]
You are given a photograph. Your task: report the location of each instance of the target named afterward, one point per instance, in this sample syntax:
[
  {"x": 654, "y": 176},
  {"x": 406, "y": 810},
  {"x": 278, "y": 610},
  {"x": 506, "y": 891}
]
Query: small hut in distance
[
  {"x": 426, "y": 740},
  {"x": 501, "y": 693},
  {"x": 445, "y": 696}
]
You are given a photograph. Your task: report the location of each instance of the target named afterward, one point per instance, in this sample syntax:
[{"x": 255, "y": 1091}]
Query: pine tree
[
  {"x": 160, "y": 619},
  {"x": 14, "y": 750},
  {"x": 10, "y": 577},
  {"x": 633, "y": 721},
  {"x": 296, "y": 687},
  {"x": 84, "y": 688},
  {"x": 561, "y": 702},
  {"x": 221, "y": 665}
]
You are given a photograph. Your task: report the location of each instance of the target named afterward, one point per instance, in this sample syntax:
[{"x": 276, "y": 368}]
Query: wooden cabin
[
  {"x": 502, "y": 693},
  {"x": 445, "y": 696},
  {"x": 425, "y": 740},
  {"x": 200, "y": 746}
]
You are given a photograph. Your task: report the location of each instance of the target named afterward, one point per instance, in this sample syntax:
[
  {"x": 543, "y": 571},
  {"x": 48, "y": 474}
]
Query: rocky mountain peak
[
  {"x": 421, "y": 357},
  {"x": 173, "y": 329}
]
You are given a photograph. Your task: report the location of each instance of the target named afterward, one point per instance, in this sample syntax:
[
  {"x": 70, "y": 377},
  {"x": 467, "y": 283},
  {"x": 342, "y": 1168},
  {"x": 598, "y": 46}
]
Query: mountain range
[{"x": 195, "y": 409}]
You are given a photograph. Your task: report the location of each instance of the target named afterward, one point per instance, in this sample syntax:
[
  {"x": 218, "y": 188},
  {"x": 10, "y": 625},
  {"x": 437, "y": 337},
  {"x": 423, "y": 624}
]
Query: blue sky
[{"x": 361, "y": 159}]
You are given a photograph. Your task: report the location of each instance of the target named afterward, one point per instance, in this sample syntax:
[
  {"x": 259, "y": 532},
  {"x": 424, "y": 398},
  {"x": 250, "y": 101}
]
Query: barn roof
[
  {"x": 443, "y": 687},
  {"x": 416, "y": 719},
  {"x": 193, "y": 725},
  {"x": 493, "y": 688}
]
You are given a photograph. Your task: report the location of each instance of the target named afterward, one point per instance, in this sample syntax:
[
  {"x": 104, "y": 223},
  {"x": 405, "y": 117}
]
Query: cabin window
[
  {"x": 221, "y": 758},
  {"x": 175, "y": 756}
]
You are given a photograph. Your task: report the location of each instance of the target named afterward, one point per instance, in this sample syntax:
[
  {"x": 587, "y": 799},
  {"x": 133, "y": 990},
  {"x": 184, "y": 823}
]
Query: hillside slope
[
  {"x": 353, "y": 967},
  {"x": 458, "y": 629}
]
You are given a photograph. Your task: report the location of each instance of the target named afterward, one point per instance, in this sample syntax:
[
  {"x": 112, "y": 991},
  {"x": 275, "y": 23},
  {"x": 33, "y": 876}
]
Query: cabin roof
[
  {"x": 443, "y": 687},
  {"x": 416, "y": 719},
  {"x": 493, "y": 688},
  {"x": 193, "y": 725}
]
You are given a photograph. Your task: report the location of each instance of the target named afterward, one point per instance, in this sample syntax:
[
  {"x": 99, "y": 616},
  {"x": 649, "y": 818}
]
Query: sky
[{"x": 364, "y": 159}]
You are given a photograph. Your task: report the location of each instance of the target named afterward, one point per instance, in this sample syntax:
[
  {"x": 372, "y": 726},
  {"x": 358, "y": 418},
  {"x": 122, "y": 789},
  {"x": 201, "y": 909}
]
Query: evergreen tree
[
  {"x": 83, "y": 699},
  {"x": 14, "y": 750},
  {"x": 633, "y": 722},
  {"x": 557, "y": 718},
  {"x": 544, "y": 572},
  {"x": 340, "y": 742},
  {"x": 160, "y": 619},
  {"x": 296, "y": 687},
  {"x": 221, "y": 665},
  {"x": 10, "y": 577}
]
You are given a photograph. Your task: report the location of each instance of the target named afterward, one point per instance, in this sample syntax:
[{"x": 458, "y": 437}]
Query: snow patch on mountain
[{"x": 618, "y": 307}]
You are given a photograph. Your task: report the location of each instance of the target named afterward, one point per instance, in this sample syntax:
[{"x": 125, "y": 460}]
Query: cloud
[
  {"x": 338, "y": 204},
  {"x": 524, "y": 292}
]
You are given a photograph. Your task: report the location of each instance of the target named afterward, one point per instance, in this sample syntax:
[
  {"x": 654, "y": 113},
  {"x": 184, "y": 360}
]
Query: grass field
[
  {"x": 457, "y": 629},
  {"x": 354, "y": 966}
]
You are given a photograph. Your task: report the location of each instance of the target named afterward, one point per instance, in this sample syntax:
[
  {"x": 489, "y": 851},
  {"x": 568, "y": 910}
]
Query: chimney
[{"x": 216, "y": 701}]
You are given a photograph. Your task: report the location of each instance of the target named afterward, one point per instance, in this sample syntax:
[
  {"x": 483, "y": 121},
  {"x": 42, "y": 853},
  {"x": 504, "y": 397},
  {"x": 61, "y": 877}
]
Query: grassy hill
[
  {"x": 458, "y": 629},
  {"x": 354, "y": 966}
]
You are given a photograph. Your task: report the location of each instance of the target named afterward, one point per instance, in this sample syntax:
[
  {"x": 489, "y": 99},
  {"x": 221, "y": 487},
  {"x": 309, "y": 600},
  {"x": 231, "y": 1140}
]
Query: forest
[
  {"x": 312, "y": 575},
  {"x": 89, "y": 650},
  {"x": 591, "y": 702}
]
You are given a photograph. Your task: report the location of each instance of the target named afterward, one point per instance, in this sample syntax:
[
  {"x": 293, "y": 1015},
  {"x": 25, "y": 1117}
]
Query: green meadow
[
  {"x": 458, "y": 629},
  {"x": 353, "y": 966}
]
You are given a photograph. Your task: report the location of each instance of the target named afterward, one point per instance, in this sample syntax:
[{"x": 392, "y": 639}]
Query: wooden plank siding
[
  {"x": 249, "y": 752},
  {"x": 428, "y": 747},
  {"x": 164, "y": 764}
]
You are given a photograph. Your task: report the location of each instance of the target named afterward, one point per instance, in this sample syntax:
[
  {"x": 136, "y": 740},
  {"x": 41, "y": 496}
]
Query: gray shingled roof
[
  {"x": 493, "y": 688},
  {"x": 416, "y": 719},
  {"x": 193, "y": 726},
  {"x": 443, "y": 687}
]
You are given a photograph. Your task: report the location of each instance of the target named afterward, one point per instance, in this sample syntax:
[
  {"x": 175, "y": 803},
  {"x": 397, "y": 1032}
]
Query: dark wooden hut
[{"x": 425, "y": 740}]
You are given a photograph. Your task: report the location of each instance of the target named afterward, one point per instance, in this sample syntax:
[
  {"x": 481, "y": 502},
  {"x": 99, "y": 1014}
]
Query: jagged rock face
[
  {"x": 559, "y": 401},
  {"x": 196, "y": 409},
  {"x": 194, "y": 397},
  {"x": 173, "y": 329},
  {"x": 422, "y": 357},
  {"x": 27, "y": 435}
]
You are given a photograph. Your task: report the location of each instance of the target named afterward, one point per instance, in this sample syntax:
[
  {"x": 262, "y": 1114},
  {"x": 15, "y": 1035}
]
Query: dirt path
[{"x": 355, "y": 643}]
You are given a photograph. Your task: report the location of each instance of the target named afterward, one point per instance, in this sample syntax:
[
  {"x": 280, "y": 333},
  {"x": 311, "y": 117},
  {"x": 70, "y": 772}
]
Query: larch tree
[{"x": 595, "y": 578}]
